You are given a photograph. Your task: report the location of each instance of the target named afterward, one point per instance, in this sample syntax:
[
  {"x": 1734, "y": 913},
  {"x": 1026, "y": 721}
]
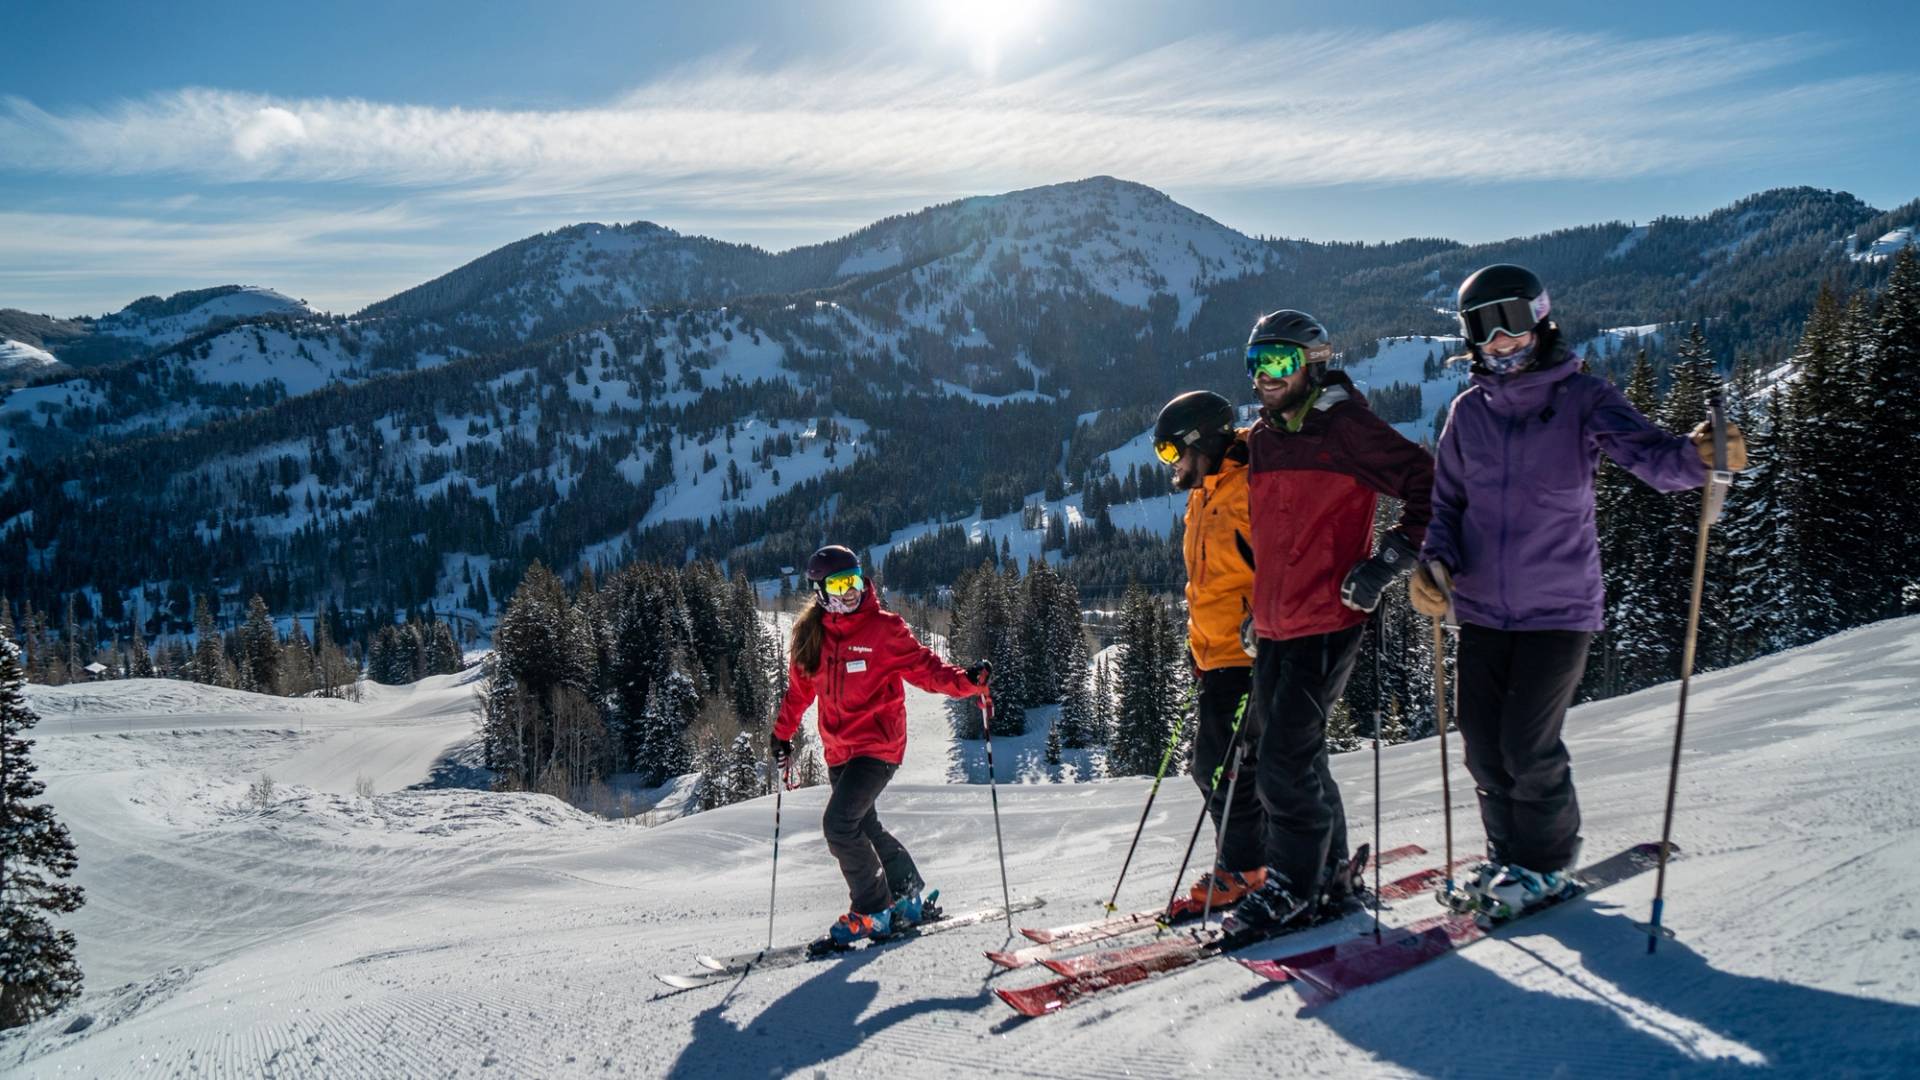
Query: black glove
[
  {"x": 1365, "y": 582},
  {"x": 782, "y": 753},
  {"x": 981, "y": 673}
]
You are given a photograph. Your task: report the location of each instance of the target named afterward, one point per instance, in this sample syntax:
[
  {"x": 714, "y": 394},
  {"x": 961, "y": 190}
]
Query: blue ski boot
[{"x": 853, "y": 926}]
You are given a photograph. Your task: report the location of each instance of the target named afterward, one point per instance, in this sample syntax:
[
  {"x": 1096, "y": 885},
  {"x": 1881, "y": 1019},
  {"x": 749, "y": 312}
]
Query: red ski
[
  {"x": 1050, "y": 941},
  {"x": 1367, "y": 961}
]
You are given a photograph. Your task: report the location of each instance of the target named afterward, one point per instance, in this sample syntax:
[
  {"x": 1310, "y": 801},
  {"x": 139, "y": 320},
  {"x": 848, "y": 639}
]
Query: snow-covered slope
[
  {"x": 1117, "y": 239},
  {"x": 156, "y": 322},
  {"x": 442, "y": 932},
  {"x": 16, "y": 356}
]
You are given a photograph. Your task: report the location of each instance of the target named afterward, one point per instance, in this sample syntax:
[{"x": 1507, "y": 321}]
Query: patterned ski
[
  {"x": 1140, "y": 963},
  {"x": 1349, "y": 968},
  {"x": 1050, "y": 941}
]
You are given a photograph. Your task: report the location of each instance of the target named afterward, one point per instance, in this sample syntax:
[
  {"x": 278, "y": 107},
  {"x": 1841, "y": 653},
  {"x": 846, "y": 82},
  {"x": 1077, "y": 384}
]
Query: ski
[
  {"x": 1415, "y": 884},
  {"x": 1087, "y": 963},
  {"x": 1063, "y": 937},
  {"x": 725, "y": 968},
  {"x": 1350, "y": 968},
  {"x": 1128, "y": 966}
]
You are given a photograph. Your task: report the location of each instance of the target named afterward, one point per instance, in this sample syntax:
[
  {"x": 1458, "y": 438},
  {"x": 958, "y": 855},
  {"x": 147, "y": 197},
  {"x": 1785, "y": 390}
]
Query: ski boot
[
  {"x": 1345, "y": 882},
  {"x": 850, "y": 928},
  {"x": 1518, "y": 888},
  {"x": 913, "y": 909},
  {"x": 1229, "y": 887},
  {"x": 1470, "y": 893},
  {"x": 1269, "y": 907}
]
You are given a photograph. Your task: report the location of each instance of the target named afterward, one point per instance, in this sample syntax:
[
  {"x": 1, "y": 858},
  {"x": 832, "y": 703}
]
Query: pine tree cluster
[{"x": 658, "y": 672}]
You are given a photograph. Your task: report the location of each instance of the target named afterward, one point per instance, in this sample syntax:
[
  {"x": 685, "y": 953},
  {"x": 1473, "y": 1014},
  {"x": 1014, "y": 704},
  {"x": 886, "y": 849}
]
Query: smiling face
[
  {"x": 1505, "y": 344},
  {"x": 1281, "y": 396}
]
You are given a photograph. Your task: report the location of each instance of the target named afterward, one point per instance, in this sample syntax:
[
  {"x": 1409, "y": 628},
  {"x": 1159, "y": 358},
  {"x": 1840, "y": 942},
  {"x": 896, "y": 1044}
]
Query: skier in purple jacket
[{"x": 1513, "y": 529}]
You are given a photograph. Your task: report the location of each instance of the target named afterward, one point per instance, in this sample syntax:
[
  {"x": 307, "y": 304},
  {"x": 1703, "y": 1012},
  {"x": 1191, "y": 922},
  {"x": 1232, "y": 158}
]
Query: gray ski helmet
[
  {"x": 1290, "y": 327},
  {"x": 1199, "y": 418},
  {"x": 1501, "y": 297}
]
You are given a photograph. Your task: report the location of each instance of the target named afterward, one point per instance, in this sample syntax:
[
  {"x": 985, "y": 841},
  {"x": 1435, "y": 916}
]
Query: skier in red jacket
[
  {"x": 851, "y": 655},
  {"x": 1318, "y": 460}
]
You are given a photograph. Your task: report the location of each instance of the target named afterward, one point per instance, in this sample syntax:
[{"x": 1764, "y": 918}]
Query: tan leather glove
[
  {"x": 1427, "y": 597},
  {"x": 1702, "y": 437}
]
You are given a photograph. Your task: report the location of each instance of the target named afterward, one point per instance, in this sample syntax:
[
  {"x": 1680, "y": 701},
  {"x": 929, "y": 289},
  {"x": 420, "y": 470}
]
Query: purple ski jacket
[{"x": 1513, "y": 513}]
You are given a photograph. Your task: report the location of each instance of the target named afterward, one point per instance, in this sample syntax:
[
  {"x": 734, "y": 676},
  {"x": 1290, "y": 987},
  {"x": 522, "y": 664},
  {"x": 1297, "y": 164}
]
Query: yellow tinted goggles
[{"x": 844, "y": 582}]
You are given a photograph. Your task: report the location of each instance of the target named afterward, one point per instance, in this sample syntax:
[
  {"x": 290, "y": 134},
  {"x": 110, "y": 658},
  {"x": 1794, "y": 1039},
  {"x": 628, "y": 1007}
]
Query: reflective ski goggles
[
  {"x": 1275, "y": 360},
  {"x": 844, "y": 582},
  {"x": 1512, "y": 315},
  {"x": 1167, "y": 451}
]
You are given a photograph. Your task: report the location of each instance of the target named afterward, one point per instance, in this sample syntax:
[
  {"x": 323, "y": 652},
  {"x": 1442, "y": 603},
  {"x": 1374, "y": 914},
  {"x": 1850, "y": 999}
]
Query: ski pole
[
  {"x": 993, "y": 790},
  {"x": 773, "y": 889},
  {"x": 1165, "y": 760},
  {"x": 1719, "y": 479},
  {"x": 1379, "y": 655},
  {"x": 1441, "y": 578},
  {"x": 1234, "y": 749}
]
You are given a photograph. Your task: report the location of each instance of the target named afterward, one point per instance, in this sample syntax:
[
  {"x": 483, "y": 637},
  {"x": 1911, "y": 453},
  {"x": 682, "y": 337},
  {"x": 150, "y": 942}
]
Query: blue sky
[{"x": 342, "y": 152}]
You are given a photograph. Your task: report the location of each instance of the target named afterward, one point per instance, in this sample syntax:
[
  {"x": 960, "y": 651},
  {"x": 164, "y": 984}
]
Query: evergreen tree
[
  {"x": 442, "y": 653},
  {"x": 142, "y": 663},
  {"x": 294, "y": 675},
  {"x": 1893, "y": 437},
  {"x": 38, "y": 972},
  {"x": 1103, "y": 715},
  {"x": 1151, "y": 695},
  {"x": 1638, "y": 558},
  {"x": 1827, "y": 488},
  {"x": 209, "y": 654},
  {"x": 1694, "y": 378},
  {"x": 259, "y": 649}
]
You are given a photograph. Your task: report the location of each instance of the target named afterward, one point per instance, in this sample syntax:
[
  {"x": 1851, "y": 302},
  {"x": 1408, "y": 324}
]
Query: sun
[{"x": 987, "y": 28}]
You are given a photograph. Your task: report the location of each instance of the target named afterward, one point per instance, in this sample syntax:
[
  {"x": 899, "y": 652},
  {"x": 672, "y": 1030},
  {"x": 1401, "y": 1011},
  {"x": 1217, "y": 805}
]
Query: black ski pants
[
  {"x": 1224, "y": 693},
  {"x": 1295, "y": 684},
  {"x": 1514, "y": 689},
  {"x": 876, "y": 866}
]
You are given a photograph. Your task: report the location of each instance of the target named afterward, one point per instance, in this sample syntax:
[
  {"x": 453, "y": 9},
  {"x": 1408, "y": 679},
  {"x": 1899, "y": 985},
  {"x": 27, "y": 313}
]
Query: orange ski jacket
[{"x": 1219, "y": 552}]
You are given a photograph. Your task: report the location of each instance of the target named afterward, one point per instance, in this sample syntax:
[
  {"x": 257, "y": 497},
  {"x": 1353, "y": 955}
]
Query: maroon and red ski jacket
[
  {"x": 863, "y": 710},
  {"x": 1312, "y": 492}
]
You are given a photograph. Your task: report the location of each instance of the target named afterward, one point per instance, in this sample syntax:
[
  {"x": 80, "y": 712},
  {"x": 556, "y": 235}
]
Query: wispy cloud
[
  {"x": 348, "y": 200},
  {"x": 1311, "y": 109}
]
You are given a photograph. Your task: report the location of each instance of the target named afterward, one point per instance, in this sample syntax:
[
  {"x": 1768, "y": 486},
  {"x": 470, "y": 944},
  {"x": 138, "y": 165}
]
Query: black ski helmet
[
  {"x": 1290, "y": 327},
  {"x": 1197, "y": 418},
  {"x": 825, "y": 563},
  {"x": 1501, "y": 297}
]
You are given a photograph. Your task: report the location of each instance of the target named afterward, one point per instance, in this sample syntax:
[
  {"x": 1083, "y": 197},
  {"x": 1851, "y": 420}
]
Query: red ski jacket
[
  {"x": 1312, "y": 492},
  {"x": 863, "y": 710}
]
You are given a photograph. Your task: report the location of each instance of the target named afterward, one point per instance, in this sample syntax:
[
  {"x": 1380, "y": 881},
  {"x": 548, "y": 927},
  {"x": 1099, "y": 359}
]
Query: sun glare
[{"x": 988, "y": 28}]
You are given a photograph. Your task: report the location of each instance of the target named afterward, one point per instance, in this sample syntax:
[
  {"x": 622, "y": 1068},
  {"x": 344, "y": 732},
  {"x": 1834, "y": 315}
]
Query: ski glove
[
  {"x": 1428, "y": 597},
  {"x": 1702, "y": 437},
  {"x": 782, "y": 753},
  {"x": 981, "y": 673},
  {"x": 1365, "y": 582}
]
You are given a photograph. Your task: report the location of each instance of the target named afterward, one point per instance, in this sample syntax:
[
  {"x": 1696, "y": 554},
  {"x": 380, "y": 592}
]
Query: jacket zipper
[{"x": 1506, "y": 505}]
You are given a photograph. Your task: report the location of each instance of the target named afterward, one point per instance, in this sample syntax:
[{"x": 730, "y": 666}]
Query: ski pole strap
[{"x": 1720, "y": 478}]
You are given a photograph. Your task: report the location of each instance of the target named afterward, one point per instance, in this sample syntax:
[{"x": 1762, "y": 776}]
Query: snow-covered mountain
[
  {"x": 435, "y": 931},
  {"x": 157, "y": 322},
  {"x": 585, "y": 394}
]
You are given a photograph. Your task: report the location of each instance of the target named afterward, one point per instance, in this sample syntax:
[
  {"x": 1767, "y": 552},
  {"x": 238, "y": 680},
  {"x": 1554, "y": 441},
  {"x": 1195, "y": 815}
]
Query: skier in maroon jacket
[{"x": 1318, "y": 461}]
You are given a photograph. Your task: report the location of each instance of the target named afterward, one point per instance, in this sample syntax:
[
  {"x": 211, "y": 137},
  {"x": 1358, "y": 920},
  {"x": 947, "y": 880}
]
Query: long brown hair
[{"x": 809, "y": 634}]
